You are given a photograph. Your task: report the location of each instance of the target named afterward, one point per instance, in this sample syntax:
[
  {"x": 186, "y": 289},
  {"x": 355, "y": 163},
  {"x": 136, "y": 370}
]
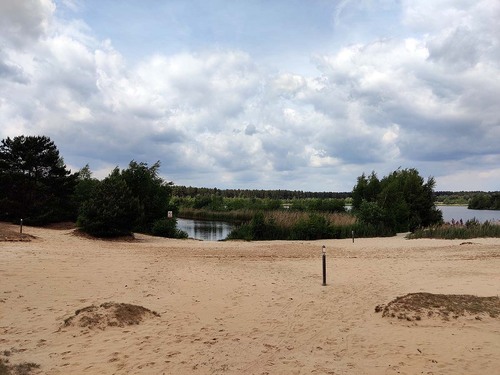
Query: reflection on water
[
  {"x": 207, "y": 230},
  {"x": 462, "y": 212}
]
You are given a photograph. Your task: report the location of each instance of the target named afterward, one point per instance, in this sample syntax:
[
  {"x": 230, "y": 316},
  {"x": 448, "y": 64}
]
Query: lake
[
  {"x": 462, "y": 212},
  {"x": 206, "y": 230},
  {"x": 210, "y": 230}
]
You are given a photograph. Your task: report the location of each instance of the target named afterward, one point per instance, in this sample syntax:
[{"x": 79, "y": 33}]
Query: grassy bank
[
  {"x": 293, "y": 225},
  {"x": 235, "y": 216},
  {"x": 471, "y": 229}
]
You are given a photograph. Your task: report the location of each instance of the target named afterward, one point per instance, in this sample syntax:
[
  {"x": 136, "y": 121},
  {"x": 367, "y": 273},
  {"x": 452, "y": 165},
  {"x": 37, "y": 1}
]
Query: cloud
[
  {"x": 398, "y": 82},
  {"x": 23, "y": 22},
  {"x": 423, "y": 97},
  {"x": 11, "y": 72},
  {"x": 459, "y": 49},
  {"x": 250, "y": 129}
]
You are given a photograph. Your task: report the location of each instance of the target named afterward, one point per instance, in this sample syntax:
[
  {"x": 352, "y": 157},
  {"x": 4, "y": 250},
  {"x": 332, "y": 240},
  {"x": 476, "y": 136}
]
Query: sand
[{"x": 244, "y": 307}]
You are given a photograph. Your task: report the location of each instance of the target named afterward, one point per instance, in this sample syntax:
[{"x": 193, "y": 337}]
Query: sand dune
[{"x": 244, "y": 307}]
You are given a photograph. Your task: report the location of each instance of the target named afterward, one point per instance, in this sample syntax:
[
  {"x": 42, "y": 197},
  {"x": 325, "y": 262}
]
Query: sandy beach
[{"x": 244, "y": 307}]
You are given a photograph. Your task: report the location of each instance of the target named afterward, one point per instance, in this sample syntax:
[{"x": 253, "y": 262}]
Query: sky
[{"x": 259, "y": 94}]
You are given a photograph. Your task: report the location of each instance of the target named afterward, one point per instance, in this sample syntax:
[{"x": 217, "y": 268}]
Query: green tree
[
  {"x": 371, "y": 213},
  {"x": 366, "y": 189},
  {"x": 111, "y": 209},
  {"x": 485, "y": 201},
  {"x": 134, "y": 199},
  {"x": 400, "y": 202},
  {"x": 85, "y": 185},
  {"x": 34, "y": 182},
  {"x": 151, "y": 191}
]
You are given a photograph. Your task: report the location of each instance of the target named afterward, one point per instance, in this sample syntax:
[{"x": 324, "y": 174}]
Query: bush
[
  {"x": 401, "y": 201},
  {"x": 168, "y": 228},
  {"x": 471, "y": 229},
  {"x": 111, "y": 210},
  {"x": 241, "y": 232},
  {"x": 259, "y": 228},
  {"x": 262, "y": 229},
  {"x": 129, "y": 200},
  {"x": 315, "y": 227},
  {"x": 301, "y": 226}
]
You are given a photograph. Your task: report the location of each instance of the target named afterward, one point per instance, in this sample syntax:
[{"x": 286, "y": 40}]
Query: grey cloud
[
  {"x": 12, "y": 73},
  {"x": 427, "y": 101},
  {"x": 24, "y": 21},
  {"x": 460, "y": 49},
  {"x": 284, "y": 152},
  {"x": 250, "y": 129}
]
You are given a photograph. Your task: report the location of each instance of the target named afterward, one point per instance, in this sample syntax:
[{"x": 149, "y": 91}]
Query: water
[
  {"x": 462, "y": 212},
  {"x": 206, "y": 230},
  {"x": 210, "y": 230}
]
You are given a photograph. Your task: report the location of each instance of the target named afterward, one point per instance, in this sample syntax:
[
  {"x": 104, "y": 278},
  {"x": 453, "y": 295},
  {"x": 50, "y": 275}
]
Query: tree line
[
  {"x": 34, "y": 181},
  {"x": 36, "y": 185},
  {"x": 485, "y": 201},
  {"x": 190, "y": 191}
]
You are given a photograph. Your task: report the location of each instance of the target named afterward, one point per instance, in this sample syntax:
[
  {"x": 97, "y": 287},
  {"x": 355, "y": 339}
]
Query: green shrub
[
  {"x": 315, "y": 227},
  {"x": 258, "y": 229},
  {"x": 168, "y": 228},
  {"x": 111, "y": 210},
  {"x": 241, "y": 232},
  {"x": 302, "y": 226},
  {"x": 471, "y": 229}
]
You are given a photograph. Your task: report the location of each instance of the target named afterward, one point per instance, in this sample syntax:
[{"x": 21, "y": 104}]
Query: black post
[
  {"x": 21, "y": 227},
  {"x": 352, "y": 236},
  {"x": 324, "y": 265}
]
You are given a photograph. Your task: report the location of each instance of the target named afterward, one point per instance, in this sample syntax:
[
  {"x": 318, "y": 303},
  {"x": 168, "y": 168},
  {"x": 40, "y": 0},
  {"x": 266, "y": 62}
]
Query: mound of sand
[
  {"x": 10, "y": 232},
  {"x": 418, "y": 306},
  {"x": 25, "y": 368},
  {"x": 80, "y": 233},
  {"x": 109, "y": 314}
]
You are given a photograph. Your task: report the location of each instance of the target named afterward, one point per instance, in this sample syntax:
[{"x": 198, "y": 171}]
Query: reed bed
[
  {"x": 471, "y": 229},
  {"x": 288, "y": 219},
  {"x": 234, "y": 216},
  {"x": 297, "y": 225}
]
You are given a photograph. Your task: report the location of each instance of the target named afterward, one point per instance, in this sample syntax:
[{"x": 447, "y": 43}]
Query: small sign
[{"x": 170, "y": 214}]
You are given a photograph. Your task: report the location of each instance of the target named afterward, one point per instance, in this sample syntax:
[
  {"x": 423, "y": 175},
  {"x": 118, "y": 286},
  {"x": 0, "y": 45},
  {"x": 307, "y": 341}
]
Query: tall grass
[
  {"x": 235, "y": 216},
  {"x": 287, "y": 219},
  {"x": 284, "y": 218},
  {"x": 293, "y": 225},
  {"x": 471, "y": 229}
]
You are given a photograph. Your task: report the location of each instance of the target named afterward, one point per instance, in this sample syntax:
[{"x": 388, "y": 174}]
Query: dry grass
[
  {"x": 287, "y": 219},
  {"x": 418, "y": 306},
  {"x": 109, "y": 314},
  {"x": 25, "y": 368}
]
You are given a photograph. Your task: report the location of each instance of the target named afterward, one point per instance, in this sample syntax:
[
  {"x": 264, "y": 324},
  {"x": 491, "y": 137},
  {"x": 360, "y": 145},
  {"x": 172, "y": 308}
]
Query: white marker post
[{"x": 21, "y": 227}]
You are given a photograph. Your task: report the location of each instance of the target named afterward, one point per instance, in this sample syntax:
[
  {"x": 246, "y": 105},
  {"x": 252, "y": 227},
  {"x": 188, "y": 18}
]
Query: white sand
[{"x": 245, "y": 307}]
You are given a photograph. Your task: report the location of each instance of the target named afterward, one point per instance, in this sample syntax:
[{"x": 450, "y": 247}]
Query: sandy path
[{"x": 245, "y": 308}]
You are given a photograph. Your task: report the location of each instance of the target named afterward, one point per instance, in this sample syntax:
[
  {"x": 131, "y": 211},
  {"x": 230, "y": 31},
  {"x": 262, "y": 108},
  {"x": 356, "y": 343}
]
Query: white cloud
[{"x": 426, "y": 96}]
